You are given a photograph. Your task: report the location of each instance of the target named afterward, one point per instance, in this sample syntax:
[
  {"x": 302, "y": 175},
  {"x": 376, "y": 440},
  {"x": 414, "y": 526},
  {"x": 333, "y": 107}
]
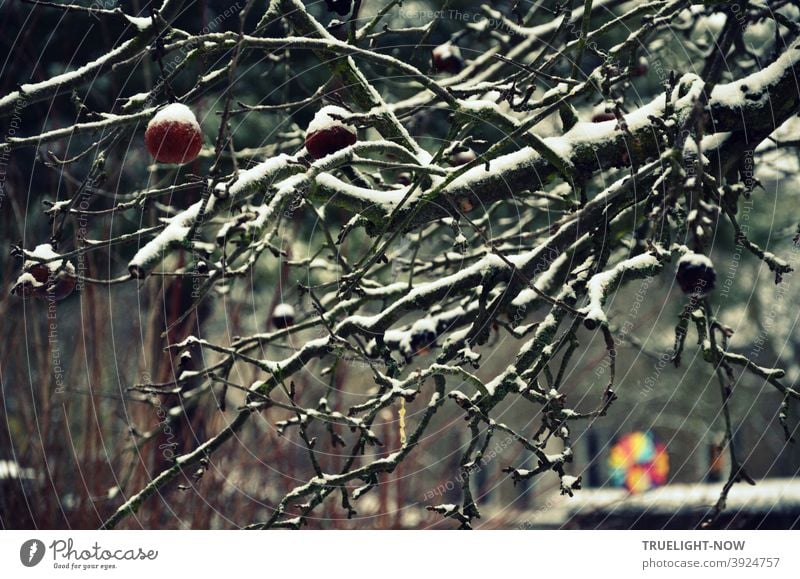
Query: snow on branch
[{"x": 38, "y": 91}]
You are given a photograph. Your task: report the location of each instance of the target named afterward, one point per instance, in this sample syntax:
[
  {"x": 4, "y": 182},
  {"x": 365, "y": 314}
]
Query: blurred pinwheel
[{"x": 638, "y": 462}]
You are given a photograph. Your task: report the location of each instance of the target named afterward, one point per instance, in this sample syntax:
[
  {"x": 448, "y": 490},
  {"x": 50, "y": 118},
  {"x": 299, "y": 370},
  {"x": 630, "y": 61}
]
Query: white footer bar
[{"x": 357, "y": 554}]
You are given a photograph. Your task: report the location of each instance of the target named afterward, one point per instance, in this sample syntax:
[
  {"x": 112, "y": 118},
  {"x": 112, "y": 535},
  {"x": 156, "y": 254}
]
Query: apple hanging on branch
[
  {"x": 696, "y": 274},
  {"x": 283, "y": 316},
  {"x": 447, "y": 58},
  {"x": 173, "y": 135},
  {"x": 50, "y": 280},
  {"x": 327, "y": 132}
]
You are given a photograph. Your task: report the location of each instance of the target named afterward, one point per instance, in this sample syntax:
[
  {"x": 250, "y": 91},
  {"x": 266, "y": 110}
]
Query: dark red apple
[
  {"x": 338, "y": 29},
  {"x": 283, "y": 316},
  {"x": 327, "y": 133},
  {"x": 173, "y": 135},
  {"x": 696, "y": 274},
  {"x": 32, "y": 281},
  {"x": 37, "y": 280},
  {"x": 64, "y": 285},
  {"x": 603, "y": 117},
  {"x": 640, "y": 68}
]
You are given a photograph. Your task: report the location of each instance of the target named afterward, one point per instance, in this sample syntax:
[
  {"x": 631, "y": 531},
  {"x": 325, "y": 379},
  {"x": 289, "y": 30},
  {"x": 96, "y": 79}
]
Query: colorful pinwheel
[{"x": 638, "y": 462}]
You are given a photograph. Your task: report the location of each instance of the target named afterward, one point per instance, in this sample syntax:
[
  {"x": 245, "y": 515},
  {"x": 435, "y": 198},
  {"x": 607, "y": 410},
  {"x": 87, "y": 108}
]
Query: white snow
[
  {"x": 387, "y": 199},
  {"x": 767, "y": 495},
  {"x": 733, "y": 94},
  {"x": 176, "y": 113},
  {"x": 479, "y": 270},
  {"x": 569, "y": 481},
  {"x": 542, "y": 282},
  {"x": 45, "y": 251},
  {"x": 140, "y": 22},
  {"x": 600, "y": 284},
  {"x": 214, "y": 74},
  {"x": 588, "y": 133},
  {"x": 595, "y": 134},
  {"x": 71, "y": 77},
  {"x": 136, "y": 99},
  {"x": 284, "y": 310},
  {"x": 695, "y": 259},
  {"x": 558, "y": 458},
  {"x": 259, "y": 173},
  {"x": 491, "y": 385},
  {"x": 447, "y": 50},
  {"x": 401, "y": 339},
  {"x": 174, "y": 233},
  {"x": 477, "y": 105},
  {"x": 278, "y": 367},
  {"x": 59, "y": 207},
  {"x": 469, "y": 354},
  {"x": 456, "y": 337},
  {"x": 11, "y": 469},
  {"x": 26, "y": 279},
  {"x": 447, "y": 509}
]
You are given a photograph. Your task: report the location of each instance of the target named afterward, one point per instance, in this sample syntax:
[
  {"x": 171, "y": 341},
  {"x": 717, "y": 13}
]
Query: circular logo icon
[{"x": 31, "y": 553}]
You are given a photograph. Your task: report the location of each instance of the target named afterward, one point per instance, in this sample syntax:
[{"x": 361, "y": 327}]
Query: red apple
[
  {"x": 39, "y": 281},
  {"x": 447, "y": 58},
  {"x": 327, "y": 133},
  {"x": 64, "y": 285},
  {"x": 173, "y": 135},
  {"x": 33, "y": 281}
]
